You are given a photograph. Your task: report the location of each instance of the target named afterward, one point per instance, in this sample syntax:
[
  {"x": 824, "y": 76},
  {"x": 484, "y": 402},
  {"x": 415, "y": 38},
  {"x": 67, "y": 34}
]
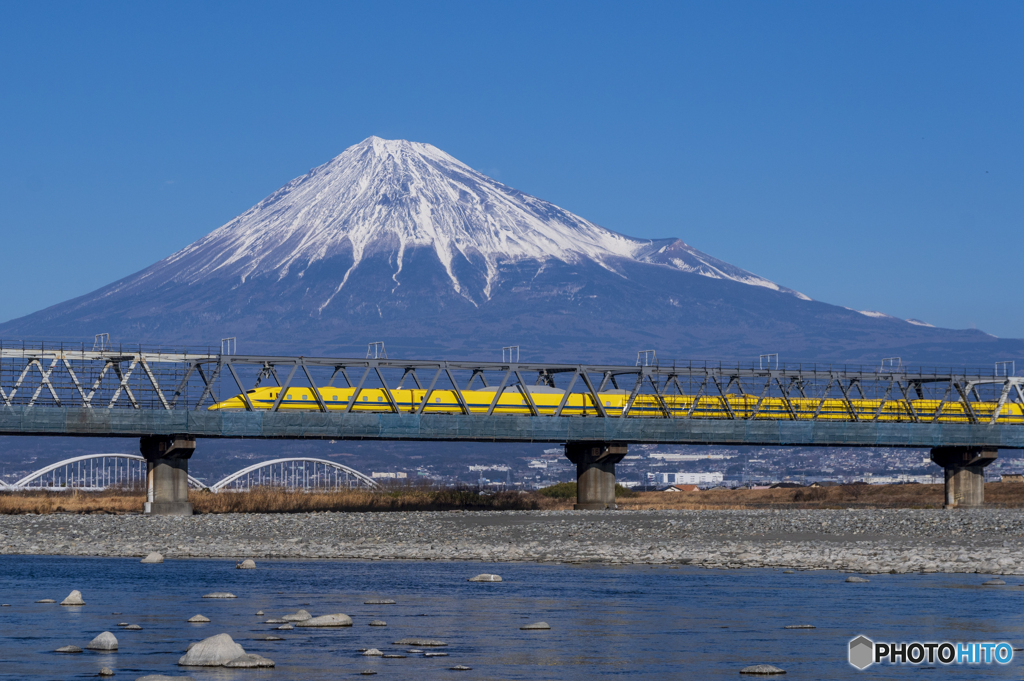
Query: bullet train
[{"x": 546, "y": 400}]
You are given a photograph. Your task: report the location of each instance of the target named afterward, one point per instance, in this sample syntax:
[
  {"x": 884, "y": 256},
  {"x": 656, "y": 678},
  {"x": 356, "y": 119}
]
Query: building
[
  {"x": 688, "y": 478},
  {"x": 398, "y": 476},
  {"x": 682, "y": 488}
]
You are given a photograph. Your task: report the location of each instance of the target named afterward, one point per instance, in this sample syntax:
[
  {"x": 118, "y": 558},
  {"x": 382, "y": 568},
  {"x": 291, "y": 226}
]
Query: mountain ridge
[{"x": 398, "y": 240}]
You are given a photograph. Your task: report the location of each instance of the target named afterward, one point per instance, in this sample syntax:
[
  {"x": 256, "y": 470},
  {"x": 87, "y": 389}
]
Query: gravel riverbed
[{"x": 867, "y": 541}]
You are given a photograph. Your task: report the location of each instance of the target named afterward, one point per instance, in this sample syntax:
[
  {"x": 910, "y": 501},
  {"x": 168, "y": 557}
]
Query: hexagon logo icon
[{"x": 862, "y": 652}]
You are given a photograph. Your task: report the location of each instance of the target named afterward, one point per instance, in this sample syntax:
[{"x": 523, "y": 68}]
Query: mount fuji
[{"x": 399, "y": 242}]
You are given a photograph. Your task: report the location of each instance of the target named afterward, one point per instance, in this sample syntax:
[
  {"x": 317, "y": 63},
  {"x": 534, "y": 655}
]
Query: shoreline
[{"x": 984, "y": 541}]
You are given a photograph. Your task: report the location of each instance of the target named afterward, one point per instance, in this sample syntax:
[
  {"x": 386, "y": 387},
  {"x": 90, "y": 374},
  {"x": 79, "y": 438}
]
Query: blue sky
[{"x": 868, "y": 154}]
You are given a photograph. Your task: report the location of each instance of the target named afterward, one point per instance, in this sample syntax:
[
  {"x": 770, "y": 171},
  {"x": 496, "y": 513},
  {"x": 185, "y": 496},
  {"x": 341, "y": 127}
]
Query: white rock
[
  {"x": 153, "y": 558},
  {"x": 373, "y": 652},
  {"x": 485, "y": 578},
  {"x": 198, "y": 618},
  {"x": 764, "y": 669},
  {"x": 536, "y": 625},
  {"x": 335, "y": 620},
  {"x": 854, "y": 579},
  {"x": 106, "y": 671},
  {"x": 378, "y": 623},
  {"x": 425, "y": 642},
  {"x": 74, "y": 598},
  {"x": 212, "y": 652},
  {"x": 220, "y": 594},
  {"x": 68, "y": 649},
  {"x": 249, "y": 661},
  {"x": 247, "y": 564},
  {"x": 297, "y": 616},
  {"x": 105, "y": 641}
]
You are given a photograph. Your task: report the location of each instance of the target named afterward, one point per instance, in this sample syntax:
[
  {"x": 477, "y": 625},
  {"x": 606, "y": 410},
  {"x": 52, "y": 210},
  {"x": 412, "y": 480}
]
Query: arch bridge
[
  {"x": 165, "y": 397},
  {"x": 95, "y": 472}
]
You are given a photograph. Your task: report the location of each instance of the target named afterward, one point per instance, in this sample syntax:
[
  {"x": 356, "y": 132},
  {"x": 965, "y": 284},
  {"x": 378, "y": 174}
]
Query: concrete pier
[
  {"x": 595, "y": 472},
  {"x": 965, "y": 474},
  {"x": 167, "y": 473}
]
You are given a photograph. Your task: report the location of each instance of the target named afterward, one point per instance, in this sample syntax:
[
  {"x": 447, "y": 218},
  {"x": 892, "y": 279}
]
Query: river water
[{"x": 636, "y": 622}]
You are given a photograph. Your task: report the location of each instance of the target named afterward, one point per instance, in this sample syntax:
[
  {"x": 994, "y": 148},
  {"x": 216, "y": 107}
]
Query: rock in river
[
  {"x": 853, "y": 579},
  {"x": 105, "y": 641},
  {"x": 373, "y": 652},
  {"x": 536, "y": 625},
  {"x": 212, "y": 652},
  {"x": 424, "y": 642},
  {"x": 249, "y": 661},
  {"x": 378, "y": 623},
  {"x": 220, "y": 594},
  {"x": 763, "y": 669},
  {"x": 335, "y": 620},
  {"x": 153, "y": 558},
  {"x": 74, "y": 598},
  {"x": 198, "y": 618},
  {"x": 485, "y": 578},
  {"x": 68, "y": 649},
  {"x": 247, "y": 564},
  {"x": 297, "y": 616}
]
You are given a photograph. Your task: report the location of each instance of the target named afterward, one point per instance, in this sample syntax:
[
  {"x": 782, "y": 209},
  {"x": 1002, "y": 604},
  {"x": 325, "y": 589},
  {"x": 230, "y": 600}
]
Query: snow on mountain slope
[{"x": 390, "y": 196}]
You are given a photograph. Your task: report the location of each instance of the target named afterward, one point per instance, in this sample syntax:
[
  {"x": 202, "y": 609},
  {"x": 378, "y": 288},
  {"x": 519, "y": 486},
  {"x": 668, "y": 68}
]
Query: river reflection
[{"x": 606, "y": 621}]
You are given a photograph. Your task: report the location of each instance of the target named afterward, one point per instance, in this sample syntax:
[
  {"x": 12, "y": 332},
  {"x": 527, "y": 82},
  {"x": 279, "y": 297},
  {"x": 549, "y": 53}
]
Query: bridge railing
[{"x": 154, "y": 378}]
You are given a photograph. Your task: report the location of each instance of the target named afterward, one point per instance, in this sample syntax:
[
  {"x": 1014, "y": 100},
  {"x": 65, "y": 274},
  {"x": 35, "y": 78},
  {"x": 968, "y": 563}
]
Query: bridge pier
[
  {"x": 965, "y": 474},
  {"x": 595, "y": 472},
  {"x": 167, "y": 473}
]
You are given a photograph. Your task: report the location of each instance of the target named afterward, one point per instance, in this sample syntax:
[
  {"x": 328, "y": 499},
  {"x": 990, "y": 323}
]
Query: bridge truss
[
  {"x": 92, "y": 472},
  {"x": 59, "y": 389},
  {"x": 96, "y": 472},
  {"x": 156, "y": 379},
  {"x": 295, "y": 473}
]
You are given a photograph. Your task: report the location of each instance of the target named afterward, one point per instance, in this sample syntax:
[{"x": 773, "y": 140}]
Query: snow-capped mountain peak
[{"x": 392, "y": 196}]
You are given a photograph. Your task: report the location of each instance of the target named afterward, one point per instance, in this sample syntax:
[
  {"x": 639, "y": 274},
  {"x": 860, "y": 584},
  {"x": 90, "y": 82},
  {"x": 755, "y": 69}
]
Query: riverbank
[
  {"x": 868, "y": 541},
  {"x": 558, "y": 497}
]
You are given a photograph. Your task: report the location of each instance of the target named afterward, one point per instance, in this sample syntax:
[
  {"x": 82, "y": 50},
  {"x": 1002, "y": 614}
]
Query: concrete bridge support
[
  {"x": 595, "y": 472},
  {"x": 965, "y": 474},
  {"x": 167, "y": 473}
]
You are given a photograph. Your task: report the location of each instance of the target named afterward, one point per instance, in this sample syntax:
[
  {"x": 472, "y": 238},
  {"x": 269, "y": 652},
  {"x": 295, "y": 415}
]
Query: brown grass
[
  {"x": 997, "y": 494},
  {"x": 73, "y": 501},
  {"x": 271, "y": 500},
  {"x": 274, "y": 500}
]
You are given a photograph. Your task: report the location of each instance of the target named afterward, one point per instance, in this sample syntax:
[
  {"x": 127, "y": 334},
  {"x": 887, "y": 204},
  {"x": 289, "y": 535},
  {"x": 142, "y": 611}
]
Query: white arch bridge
[{"x": 96, "y": 472}]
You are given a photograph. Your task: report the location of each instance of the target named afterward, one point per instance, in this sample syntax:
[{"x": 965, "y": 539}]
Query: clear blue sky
[{"x": 869, "y": 154}]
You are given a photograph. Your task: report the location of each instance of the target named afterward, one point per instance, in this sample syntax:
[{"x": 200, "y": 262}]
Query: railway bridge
[{"x": 170, "y": 398}]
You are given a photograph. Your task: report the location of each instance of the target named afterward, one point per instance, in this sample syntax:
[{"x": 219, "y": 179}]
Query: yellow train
[{"x": 547, "y": 400}]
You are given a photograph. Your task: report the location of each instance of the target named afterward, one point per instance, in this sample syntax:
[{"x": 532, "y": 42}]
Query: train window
[
  {"x": 437, "y": 400},
  {"x": 380, "y": 399},
  {"x": 365, "y": 398},
  {"x": 303, "y": 397},
  {"x": 335, "y": 398},
  {"x": 607, "y": 404}
]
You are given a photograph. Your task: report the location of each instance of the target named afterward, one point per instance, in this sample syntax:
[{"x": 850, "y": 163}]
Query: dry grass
[
  {"x": 273, "y": 500},
  {"x": 997, "y": 494},
  {"x": 111, "y": 501}
]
